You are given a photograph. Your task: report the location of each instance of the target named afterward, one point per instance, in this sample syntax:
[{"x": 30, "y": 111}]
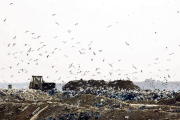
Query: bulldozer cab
[{"x": 37, "y": 79}]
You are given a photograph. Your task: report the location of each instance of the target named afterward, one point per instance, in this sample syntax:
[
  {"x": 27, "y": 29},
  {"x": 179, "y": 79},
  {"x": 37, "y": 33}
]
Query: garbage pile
[
  {"x": 123, "y": 94},
  {"x": 16, "y": 95},
  {"x": 117, "y": 84}
]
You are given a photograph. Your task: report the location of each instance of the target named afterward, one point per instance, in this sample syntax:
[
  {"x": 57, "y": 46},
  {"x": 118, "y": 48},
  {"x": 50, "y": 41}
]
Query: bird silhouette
[
  {"x": 126, "y": 43},
  {"x": 11, "y": 3},
  {"x": 69, "y": 31},
  {"x": 14, "y": 37},
  {"x": 110, "y": 64},
  {"x": 14, "y": 44},
  {"x": 4, "y": 20},
  {"x": 57, "y": 23}
]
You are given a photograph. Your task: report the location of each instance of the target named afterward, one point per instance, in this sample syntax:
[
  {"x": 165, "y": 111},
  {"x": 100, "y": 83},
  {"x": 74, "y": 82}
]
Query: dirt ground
[{"x": 87, "y": 103}]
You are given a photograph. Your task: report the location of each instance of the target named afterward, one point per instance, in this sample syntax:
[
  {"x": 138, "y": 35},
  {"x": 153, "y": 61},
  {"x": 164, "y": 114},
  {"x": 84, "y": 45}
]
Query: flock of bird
[{"x": 74, "y": 69}]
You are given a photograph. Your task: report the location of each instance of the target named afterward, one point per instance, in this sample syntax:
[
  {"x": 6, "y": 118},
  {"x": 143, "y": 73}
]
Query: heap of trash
[
  {"x": 18, "y": 95},
  {"x": 117, "y": 84}
]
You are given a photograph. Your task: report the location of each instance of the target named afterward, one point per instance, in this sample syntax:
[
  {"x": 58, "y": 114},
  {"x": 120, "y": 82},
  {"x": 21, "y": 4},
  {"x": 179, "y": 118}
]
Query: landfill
[{"x": 89, "y": 103}]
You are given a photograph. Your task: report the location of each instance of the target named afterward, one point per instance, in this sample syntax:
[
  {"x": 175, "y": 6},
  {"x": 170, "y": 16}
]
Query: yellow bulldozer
[{"x": 39, "y": 84}]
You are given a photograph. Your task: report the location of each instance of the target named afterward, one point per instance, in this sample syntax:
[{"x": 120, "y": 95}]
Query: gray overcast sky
[{"x": 132, "y": 34}]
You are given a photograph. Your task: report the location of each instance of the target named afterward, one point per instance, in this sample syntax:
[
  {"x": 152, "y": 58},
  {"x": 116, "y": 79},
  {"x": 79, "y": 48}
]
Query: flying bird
[
  {"x": 4, "y": 20},
  {"x": 53, "y": 14},
  {"x": 94, "y": 53},
  {"x": 69, "y": 31},
  {"x": 110, "y": 64},
  {"x": 14, "y": 37},
  {"x": 11, "y": 3},
  {"x": 14, "y": 44},
  {"x": 57, "y": 23},
  {"x": 126, "y": 43}
]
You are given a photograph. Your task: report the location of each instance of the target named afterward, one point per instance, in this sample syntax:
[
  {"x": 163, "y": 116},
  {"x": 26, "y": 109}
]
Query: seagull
[
  {"x": 171, "y": 54},
  {"x": 8, "y": 45},
  {"x": 110, "y": 64},
  {"x": 97, "y": 69},
  {"x": 126, "y": 43},
  {"x": 76, "y": 24},
  {"x": 53, "y": 14},
  {"x": 47, "y": 56},
  {"x": 100, "y": 50},
  {"x": 109, "y": 26},
  {"x": 38, "y": 37},
  {"x": 32, "y": 33},
  {"x": 94, "y": 53},
  {"x": 57, "y": 23},
  {"x": 134, "y": 67},
  {"x": 26, "y": 31},
  {"x": 71, "y": 65},
  {"x": 14, "y": 44},
  {"x": 80, "y": 52},
  {"x": 14, "y": 37},
  {"x": 168, "y": 76},
  {"x": 69, "y": 31},
  {"x": 103, "y": 60},
  {"x": 11, "y": 3},
  {"x": 29, "y": 50},
  {"x": 52, "y": 66},
  {"x": 119, "y": 60},
  {"x": 4, "y": 20}
]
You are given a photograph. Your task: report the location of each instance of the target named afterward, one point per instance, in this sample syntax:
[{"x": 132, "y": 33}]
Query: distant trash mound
[
  {"x": 172, "y": 101},
  {"x": 83, "y": 84}
]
